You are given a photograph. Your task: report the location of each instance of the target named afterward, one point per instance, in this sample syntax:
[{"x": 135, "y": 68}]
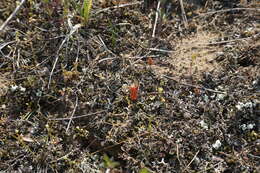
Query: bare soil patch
[
  {"x": 194, "y": 55},
  {"x": 109, "y": 97}
]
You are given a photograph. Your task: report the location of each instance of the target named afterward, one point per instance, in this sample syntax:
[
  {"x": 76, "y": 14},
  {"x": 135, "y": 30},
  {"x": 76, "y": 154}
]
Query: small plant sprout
[
  {"x": 144, "y": 170},
  {"x": 85, "y": 12},
  {"x": 134, "y": 91},
  {"x": 109, "y": 163},
  {"x": 194, "y": 56}
]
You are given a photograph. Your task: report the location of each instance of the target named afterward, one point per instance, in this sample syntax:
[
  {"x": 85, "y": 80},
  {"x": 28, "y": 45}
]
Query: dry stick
[
  {"x": 194, "y": 86},
  {"x": 74, "y": 110},
  {"x": 183, "y": 14},
  {"x": 5, "y": 44},
  {"x": 73, "y": 29},
  {"x": 106, "y": 59},
  {"x": 56, "y": 60},
  {"x": 228, "y": 10},
  {"x": 64, "y": 157},
  {"x": 178, "y": 155},
  {"x": 118, "y": 6},
  {"x": 206, "y": 169},
  {"x": 223, "y": 42},
  {"x": 105, "y": 46},
  {"x": 118, "y": 143},
  {"x": 218, "y": 43},
  {"x": 234, "y": 40},
  {"x": 191, "y": 161},
  {"x": 12, "y": 15},
  {"x": 160, "y": 50},
  {"x": 156, "y": 18},
  {"x": 108, "y": 50},
  {"x": 251, "y": 155},
  {"x": 81, "y": 116}
]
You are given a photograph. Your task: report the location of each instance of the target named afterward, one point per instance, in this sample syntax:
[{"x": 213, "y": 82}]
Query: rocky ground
[{"x": 68, "y": 98}]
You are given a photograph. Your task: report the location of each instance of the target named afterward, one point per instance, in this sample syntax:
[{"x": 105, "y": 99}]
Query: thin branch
[
  {"x": 191, "y": 161},
  {"x": 81, "y": 116},
  {"x": 118, "y": 143},
  {"x": 178, "y": 154},
  {"x": 5, "y": 44},
  {"x": 156, "y": 18},
  {"x": 74, "y": 110},
  {"x": 211, "y": 167},
  {"x": 105, "y": 46},
  {"x": 73, "y": 29},
  {"x": 106, "y": 59},
  {"x": 160, "y": 50},
  {"x": 56, "y": 60},
  {"x": 234, "y": 40},
  {"x": 194, "y": 86},
  {"x": 184, "y": 18},
  {"x": 63, "y": 157},
  {"x": 12, "y": 15},
  {"x": 251, "y": 155},
  {"x": 118, "y": 6},
  {"x": 201, "y": 45},
  {"x": 228, "y": 10}
]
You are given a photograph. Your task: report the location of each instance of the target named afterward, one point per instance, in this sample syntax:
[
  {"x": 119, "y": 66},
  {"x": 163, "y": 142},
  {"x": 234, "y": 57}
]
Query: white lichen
[
  {"x": 217, "y": 144},
  {"x": 204, "y": 125}
]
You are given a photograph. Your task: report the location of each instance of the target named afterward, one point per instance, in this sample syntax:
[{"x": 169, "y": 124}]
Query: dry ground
[{"x": 65, "y": 104}]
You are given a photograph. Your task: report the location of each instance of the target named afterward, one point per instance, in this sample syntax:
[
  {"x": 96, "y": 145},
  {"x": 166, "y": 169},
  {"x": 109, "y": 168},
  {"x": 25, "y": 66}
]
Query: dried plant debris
[{"x": 127, "y": 92}]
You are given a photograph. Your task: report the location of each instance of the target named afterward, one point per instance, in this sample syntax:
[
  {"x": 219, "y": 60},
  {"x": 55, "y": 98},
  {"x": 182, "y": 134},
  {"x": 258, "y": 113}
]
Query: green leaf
[
  {"x": 144, "y": 170},
  {"x": 85, "y": 13},
  {"x": 109, "y": 163}
]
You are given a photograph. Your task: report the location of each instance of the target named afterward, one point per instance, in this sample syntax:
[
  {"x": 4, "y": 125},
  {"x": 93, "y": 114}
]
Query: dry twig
[
  {"x": 160, "y": 50},
  {"x": 12, "y": 15},
  {"x": 73, "y": 29},
  {"x": 118, "y": 6},
  {"x": 184, "y": 18},
  {"x": 74, "y": 110},
  {"x": 194, "y": 86},
  {"x": 228, "y": 10},
  {"x": 178, "y": 154},
  {"x": 191, "y": 161},
  {"x": 105, "y": 46},
  {"x": 81, "y": 116},
  {"x": 156, "y": 18}
]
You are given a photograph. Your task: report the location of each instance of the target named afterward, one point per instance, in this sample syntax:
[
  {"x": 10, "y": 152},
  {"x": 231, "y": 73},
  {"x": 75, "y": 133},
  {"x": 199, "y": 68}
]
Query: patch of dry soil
[{"x": 194, "y": 55}]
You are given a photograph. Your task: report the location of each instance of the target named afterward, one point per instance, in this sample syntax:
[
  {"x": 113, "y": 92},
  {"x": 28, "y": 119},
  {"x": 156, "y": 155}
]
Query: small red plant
[
  {"x": 150, "y": 61},
  {"x": 133, "y": 92}
]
